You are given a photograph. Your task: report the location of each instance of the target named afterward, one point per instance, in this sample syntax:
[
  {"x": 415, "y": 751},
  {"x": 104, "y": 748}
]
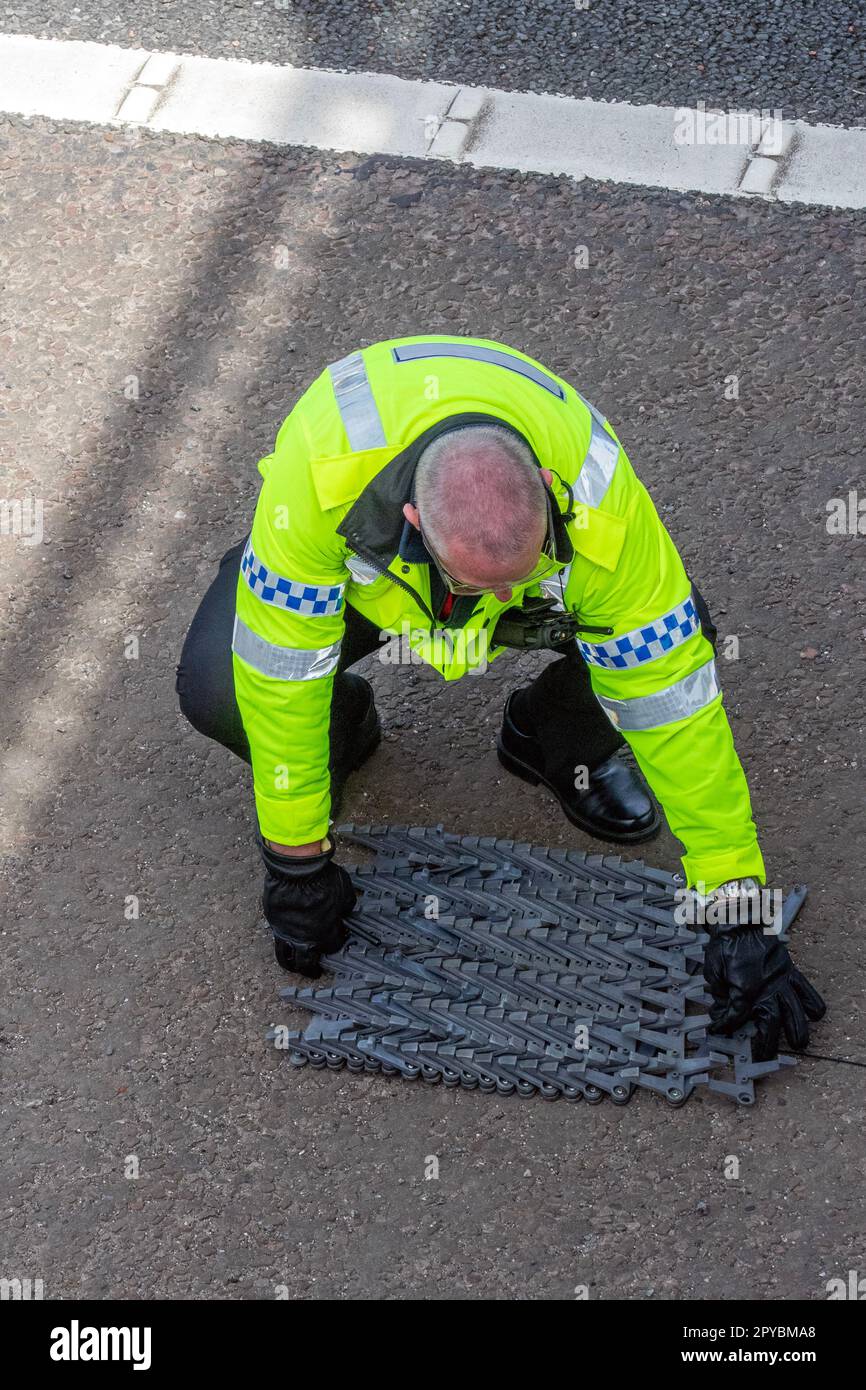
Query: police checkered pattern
[
  {"x": 314, "y": 600},
  {"x": 644, "y": 643}
]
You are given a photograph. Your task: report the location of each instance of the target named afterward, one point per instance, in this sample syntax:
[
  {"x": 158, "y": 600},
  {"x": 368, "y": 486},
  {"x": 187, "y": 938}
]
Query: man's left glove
[
  {"x": 750, "y": 975},
  {"x": 305, "y": 901}
]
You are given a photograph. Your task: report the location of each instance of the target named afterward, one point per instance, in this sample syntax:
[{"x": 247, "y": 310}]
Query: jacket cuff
[
  {"x": 711, "y": 870},
  {"x": 294, "y": 820}
]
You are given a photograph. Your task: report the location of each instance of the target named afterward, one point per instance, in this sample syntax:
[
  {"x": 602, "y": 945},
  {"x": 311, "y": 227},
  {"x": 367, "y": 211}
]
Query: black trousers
[{"x": 559, "y": 707}]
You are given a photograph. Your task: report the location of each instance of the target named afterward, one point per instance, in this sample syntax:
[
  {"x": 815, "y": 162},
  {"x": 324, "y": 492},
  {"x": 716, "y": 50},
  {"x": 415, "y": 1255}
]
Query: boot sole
[{"x": 529, "y": 774}]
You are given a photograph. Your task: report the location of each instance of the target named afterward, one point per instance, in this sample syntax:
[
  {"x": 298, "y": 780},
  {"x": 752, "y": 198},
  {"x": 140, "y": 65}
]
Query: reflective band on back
[
  {"x": 356, "y": 403},
  {"x": 599, "y": 466},
  {"x": 313, "y": 600},
  {"x": 646, "y": 643},
  {"x": 283, "y": 663},
  {"x": 411, "y": 352},
  {"x": 678, "y": 701}
]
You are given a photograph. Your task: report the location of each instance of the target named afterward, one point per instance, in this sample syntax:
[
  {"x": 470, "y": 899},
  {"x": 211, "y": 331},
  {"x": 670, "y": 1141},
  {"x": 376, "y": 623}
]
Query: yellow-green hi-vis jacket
[{"x": 326, "y": 533}]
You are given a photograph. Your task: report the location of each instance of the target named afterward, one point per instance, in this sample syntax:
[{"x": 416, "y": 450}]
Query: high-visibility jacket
[{"x": 327, "y": 532}]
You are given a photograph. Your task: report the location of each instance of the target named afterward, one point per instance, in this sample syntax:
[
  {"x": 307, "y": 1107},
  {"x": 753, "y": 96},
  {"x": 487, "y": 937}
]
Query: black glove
[
  {"x": 305, "y": 901},
  {"x": 751, "y": 976}
]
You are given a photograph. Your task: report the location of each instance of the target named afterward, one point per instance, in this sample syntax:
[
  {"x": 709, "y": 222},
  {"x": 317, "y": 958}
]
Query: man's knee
[
  {"x": 194, "y": 706},
  {"x": 205, "y": 680}
]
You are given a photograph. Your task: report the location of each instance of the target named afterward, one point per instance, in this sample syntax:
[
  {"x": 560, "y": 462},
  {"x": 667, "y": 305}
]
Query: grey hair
[{"x": 479, "y": 485}]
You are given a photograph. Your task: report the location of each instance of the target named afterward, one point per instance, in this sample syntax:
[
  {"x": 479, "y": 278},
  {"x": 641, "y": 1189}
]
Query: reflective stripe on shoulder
[
  {"x": 596, "y": 414},
  {"x": 411, "y": 352},
  {"x": 312, "y": 600},
  {"x": 645, "y": 643},
  {"x": 678, "y": 701},
  {"x": 282, "y": 663},
  {"x": 356, "y": 403},
  {"x": 599, "y": 466}
]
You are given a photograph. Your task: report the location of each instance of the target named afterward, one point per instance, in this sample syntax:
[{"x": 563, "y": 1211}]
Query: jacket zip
[{"x": 383, "y": 569}]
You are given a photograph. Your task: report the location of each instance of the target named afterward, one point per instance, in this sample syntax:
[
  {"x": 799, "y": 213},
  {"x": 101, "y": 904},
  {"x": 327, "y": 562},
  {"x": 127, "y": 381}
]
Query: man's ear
[
  {"x": 547, "y": 476},
  {"x": 412, "y": 515}
]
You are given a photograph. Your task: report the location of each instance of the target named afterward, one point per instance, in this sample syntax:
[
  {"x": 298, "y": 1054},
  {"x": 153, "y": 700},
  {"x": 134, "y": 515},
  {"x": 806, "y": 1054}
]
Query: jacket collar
[
  {"x": 375, "y": 526},
  {"x": 412, "y": 547}
]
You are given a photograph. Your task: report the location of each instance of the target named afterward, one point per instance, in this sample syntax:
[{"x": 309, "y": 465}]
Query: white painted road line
[{"x": 372, "y": 113}]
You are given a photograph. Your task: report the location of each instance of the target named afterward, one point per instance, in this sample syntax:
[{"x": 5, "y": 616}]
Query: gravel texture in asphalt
[
  {"x": 805, "y": 59},
  {"x": 167, "y": 300}
]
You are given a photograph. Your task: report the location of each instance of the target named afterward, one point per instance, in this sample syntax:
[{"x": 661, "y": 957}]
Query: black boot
[
  {"x": 355, "y": 731},
  {"x": 614, "y": 807}
]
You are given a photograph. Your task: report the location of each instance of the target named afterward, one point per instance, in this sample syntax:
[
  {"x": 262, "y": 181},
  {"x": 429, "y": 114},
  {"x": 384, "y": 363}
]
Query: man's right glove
[
  {"x": 305, "y": 901},
  {"x": 750, "y": 975}
]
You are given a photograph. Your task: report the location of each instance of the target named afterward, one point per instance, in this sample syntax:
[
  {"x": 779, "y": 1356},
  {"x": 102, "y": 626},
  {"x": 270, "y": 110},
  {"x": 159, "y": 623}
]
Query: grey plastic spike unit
[
  {"x": 426, "y": 843},
  {"x": 553, "y": 973}
]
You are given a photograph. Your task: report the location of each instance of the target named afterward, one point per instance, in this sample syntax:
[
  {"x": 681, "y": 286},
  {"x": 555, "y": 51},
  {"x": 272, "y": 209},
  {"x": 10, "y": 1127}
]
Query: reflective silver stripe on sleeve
[
  {"x": 678, "y": 701},
  {"x": 411, "y": 352},
  {"x": 599, "y": 466},
  {"x": 356, "y": 403},
  {"x": 283, "y": 663}
]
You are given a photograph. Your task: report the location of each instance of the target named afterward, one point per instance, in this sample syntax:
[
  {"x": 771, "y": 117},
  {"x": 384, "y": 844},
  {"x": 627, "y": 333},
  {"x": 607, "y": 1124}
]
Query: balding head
[{"x": 481, "y": 500}]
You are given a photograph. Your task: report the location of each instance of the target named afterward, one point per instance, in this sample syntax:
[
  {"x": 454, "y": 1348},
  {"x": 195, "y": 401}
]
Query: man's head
[{"x": 480, "y": 504}]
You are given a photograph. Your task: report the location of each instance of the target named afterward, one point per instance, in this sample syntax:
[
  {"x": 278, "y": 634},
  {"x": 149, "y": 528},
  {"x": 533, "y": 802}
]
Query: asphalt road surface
[
  {"x": 167, "y": 300},
  {"x": 806, "y": 59}
]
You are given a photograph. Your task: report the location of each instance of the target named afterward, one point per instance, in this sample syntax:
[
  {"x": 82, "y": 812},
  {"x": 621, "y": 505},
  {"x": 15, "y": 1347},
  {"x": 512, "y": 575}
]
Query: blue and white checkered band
[
  {"x": 645, "y": 643},
  {"x": 314, "y": 600}
]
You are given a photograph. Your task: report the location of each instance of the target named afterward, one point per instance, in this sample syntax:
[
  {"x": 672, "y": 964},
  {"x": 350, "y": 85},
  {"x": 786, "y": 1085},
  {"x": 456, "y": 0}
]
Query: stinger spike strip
[{"x": 494, "y": 964}]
